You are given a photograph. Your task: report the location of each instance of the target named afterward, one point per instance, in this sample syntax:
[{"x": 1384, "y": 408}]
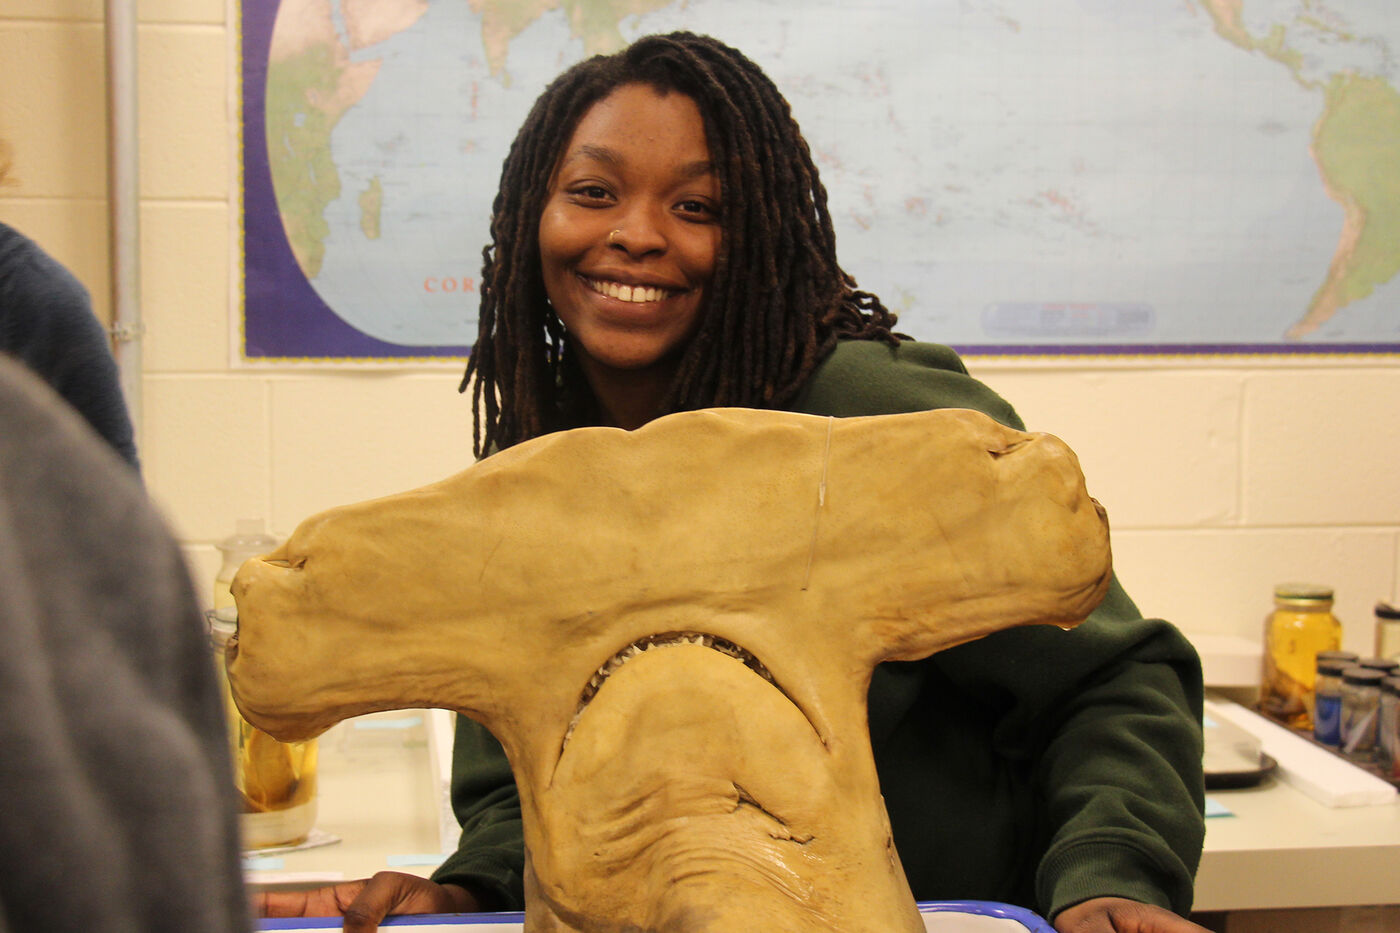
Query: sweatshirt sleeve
[
  {"x": 1108, "y": 718},
  {"x": 490, "y": 857}
]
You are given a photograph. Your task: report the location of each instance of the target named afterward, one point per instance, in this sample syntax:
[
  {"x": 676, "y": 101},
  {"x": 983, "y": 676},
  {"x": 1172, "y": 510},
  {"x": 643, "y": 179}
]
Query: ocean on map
[{"x": 986, "y": 163}]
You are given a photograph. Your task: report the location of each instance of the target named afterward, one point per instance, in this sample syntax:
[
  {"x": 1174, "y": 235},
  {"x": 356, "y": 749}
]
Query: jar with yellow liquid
[
  {"x": 276, "y": 781},
  {"x": 1301, "y": 626}
]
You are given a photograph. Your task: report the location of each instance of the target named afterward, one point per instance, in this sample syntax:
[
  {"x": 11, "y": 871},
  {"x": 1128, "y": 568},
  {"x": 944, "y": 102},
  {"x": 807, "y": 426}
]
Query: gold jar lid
[{"x": 1302, "y": 596}]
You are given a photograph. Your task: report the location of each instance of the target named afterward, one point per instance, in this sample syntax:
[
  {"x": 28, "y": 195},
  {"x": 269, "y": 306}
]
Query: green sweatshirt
[{"x": 1035, "y": 767}]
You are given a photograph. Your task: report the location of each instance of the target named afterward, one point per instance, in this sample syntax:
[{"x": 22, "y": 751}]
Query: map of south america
[{"x": 1357, "y": 133}]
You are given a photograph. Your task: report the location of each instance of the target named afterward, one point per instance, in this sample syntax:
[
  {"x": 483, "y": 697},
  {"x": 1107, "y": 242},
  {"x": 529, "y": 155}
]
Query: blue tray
[{"x": 939, "y": 917}]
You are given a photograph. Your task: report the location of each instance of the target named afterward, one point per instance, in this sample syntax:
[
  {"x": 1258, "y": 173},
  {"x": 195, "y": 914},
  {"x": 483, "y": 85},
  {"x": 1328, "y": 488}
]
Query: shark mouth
[{"x": 661, "y": 642}]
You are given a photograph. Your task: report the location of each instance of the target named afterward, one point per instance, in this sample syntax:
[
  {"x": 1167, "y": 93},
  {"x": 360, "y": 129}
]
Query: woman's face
[{"x": 629, "y": 234}]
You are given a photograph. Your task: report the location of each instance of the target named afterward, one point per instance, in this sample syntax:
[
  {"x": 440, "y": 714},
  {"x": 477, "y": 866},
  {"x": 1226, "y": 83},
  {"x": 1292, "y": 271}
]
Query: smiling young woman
[
  {"x": 660, "y": 242},
  {"x": 706, "y": 131}
]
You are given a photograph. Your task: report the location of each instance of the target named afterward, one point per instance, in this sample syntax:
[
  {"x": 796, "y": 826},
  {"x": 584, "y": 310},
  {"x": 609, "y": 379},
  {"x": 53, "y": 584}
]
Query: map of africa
[{"x": 1069, "y": 176}]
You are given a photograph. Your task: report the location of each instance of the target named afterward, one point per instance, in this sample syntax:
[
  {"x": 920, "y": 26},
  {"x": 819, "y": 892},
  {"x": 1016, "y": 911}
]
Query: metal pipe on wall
[{"x": 124, "y": 201}]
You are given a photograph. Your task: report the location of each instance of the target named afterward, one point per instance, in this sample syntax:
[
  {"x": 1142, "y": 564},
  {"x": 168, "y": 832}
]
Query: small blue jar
[{"x": 1327, "y": 718}]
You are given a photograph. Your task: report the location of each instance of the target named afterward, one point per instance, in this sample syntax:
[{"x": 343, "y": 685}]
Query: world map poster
[{"x": 1068, "y": 177}]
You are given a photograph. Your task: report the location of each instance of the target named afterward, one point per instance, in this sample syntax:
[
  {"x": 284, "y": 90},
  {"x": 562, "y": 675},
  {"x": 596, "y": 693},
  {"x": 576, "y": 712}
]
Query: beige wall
[{"x": 1221, "y": 476}]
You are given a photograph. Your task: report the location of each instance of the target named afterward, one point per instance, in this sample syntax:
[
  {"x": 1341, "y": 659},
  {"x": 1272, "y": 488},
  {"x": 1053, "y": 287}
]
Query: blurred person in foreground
[
  {"x": 47, "y": 321},
  {"x": 119, "y": 810}
]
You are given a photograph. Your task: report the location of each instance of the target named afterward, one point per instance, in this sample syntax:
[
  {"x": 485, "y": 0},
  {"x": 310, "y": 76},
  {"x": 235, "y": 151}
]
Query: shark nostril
[
  {"x": 285, "y": 564},
  {"x": 1011, "y": 448}
]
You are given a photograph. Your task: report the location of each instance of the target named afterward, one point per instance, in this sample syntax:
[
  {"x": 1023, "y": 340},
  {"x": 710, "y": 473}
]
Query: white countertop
[
  {"x": 380, "y": 793},
  {"x": 1283, "y": 849},
  {"x": 377, "y": 792}
]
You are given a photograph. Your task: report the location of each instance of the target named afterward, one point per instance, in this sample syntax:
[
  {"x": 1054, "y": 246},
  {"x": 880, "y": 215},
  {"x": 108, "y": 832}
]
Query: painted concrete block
[
  {"x": 204, "y": 448},
  {"x": 1323, "y": 447},
  {"x": 185, "y": 286},
  {"x": 54, "y": 110},
  {"x": 186, "y": 146},
  {"x": 1159, "y": 449},
  {"x": 347, "y": 437},
  {"x": 1222, "y": 582}
]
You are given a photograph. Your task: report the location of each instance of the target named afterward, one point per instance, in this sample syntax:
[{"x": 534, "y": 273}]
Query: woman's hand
[
  {"x": 1120, "y": 915},
  {"x": 366, "y": 902}
]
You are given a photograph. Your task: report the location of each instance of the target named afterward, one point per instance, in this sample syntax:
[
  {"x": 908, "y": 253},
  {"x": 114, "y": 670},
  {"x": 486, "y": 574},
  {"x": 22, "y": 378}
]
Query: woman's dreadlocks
[{"x": 778, "y": 301}]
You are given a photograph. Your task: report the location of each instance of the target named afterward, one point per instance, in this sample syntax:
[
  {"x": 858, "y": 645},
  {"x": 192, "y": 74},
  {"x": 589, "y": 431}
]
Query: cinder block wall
[{"x": 1221, "y": 476}]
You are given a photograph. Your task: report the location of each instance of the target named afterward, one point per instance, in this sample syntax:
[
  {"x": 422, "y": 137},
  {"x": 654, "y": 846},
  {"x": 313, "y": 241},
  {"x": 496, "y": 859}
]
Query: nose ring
[{"x": 612, "y": 237}]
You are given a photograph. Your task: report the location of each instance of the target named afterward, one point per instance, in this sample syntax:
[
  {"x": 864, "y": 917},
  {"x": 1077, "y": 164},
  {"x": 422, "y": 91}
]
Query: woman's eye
[
  {"x": 591, "y": 192},
  {"x": 698, "y": 209}
]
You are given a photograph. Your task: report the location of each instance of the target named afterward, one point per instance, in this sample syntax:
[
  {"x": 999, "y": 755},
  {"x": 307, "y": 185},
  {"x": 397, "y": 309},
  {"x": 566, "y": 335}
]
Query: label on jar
[
  {"x": 1360, "y": 709},
  {"x": 1327, "y": 723}
]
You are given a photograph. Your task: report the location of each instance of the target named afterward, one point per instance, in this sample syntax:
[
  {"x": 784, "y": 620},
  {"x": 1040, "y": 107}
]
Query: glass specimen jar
[{"x": 1300, "y": 627}]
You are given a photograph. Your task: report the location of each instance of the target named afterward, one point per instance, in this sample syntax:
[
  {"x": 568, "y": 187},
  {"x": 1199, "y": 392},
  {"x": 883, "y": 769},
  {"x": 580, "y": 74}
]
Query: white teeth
[{"x": 630, "y": 293}]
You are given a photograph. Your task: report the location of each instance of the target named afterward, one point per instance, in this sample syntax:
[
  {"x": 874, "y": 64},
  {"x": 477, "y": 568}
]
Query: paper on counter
[
  {"x": 1216, "y": 808},
  {"x": 1327, "y": 778}
]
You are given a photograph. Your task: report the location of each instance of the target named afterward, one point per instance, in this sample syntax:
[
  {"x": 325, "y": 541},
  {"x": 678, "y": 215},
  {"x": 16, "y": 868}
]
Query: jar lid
[
  {"x": 1333, "y": 666},
  {"x": 1387, "y": 611},
  {"x": 1308, "y": 591},
  {"x": 1365, "y": 676},
  {"x": 1350, "y": 657},
  {"x": 1385, "y": 665},
  {"x": 223, "y": 624}
]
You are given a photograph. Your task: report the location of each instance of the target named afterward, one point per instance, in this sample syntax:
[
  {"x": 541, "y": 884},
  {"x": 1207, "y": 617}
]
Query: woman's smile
[{"x": 633, "y": 294}]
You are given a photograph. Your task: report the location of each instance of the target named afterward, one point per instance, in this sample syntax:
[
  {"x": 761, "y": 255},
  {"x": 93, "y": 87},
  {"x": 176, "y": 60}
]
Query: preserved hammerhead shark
[{"x": 672, "y": 632}]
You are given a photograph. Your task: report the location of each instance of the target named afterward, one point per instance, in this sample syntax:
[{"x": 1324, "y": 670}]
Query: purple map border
[
  {"x": 1317, "y": 348},
  {"x": 283, "y": 317}
]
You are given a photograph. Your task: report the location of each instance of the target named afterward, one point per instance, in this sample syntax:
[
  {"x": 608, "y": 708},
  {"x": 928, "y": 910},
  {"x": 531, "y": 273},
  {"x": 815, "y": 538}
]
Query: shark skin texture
[{"x": 672, "y": 632}]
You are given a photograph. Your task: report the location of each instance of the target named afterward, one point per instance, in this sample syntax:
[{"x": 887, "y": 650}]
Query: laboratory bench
[{"x": 382, "y": 794}]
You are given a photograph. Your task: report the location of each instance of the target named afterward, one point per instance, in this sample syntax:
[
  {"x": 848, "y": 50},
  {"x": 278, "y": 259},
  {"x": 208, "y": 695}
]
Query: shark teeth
[{"x": 657, "y": 643}]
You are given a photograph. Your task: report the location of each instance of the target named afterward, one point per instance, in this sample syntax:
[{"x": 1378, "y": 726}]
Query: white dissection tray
[{"x": 939, "y": 917}]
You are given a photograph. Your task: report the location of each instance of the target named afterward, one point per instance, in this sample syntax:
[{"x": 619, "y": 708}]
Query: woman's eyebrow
[{"x": 597, "y": 153}]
